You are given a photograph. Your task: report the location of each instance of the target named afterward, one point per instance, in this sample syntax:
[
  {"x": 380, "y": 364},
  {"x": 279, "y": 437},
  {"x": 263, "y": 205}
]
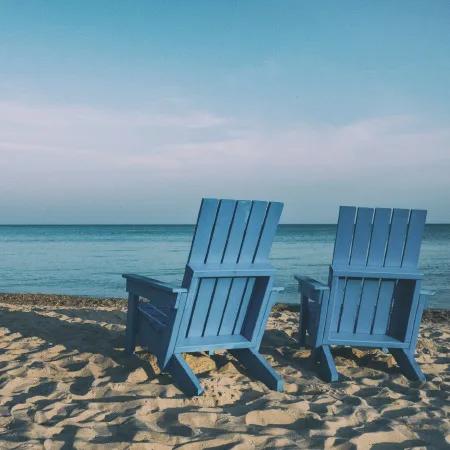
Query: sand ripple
[{"x": 65, "y": 382}]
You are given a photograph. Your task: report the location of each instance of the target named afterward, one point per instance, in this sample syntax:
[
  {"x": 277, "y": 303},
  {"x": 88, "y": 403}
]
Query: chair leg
[
  {"x": 183, "y": 376},
  {"x": 303, "y": 321},
  {"x": 327, "y": 369},
  {"x": 130, "y": 338},
  {"x": 258, "y": 367},
  {"x": 407, "y": 363}
]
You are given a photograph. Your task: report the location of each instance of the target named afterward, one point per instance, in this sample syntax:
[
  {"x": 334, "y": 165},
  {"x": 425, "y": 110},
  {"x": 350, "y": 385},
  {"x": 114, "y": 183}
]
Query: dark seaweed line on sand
[{"x": 436, "y": 315}]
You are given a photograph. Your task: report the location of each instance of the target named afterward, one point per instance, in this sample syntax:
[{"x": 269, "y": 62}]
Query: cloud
[
  {"x": 73, "y": 153},
  {"x": 43, "y": 115},
  {"x": 66, "y": 133}
]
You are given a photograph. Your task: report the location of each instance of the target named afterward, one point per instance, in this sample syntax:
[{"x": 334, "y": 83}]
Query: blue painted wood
[
  {"x": 359, "y": 255},
  {"x": 244, "y": 300},
  {"x": 268, "y": 302},
  {"x": 387, "y": 273},
  {"x": 147, "y": 335},
  {"x": 344, "y": 235},
  {"x": 324, "y": 359},
  {"x": 150, "y": 283},
  {"x": 311, "y": 285},
  {"x": 157, "y": 317},
  {"x": 414, "y": 238},
  {"x": 200, "y": 309},
  {"x": 380, "y": 236},
  {"x": 361, "y": 237},
  {"x": 216, "y": 254},
  {"x": 211, "y": 253},
  {"x": 214, "y": 303},
  {"x": 304, "y": 318},
  {"x": 253, "y": 232},
  {"x": 217, "y": 307},
  {"x": 268, "y": 231},
  {"x": 183, "y": 376},
  {"x": 374, "y": 297},
  {"x": 191, "y": 297},
  {"x": 383, "y": 306},
  {"x": 224, "y": 270},
  {"x": 338, "y": 301},
  {"x": 237, "y": 231},
  {"x": 367, "y": 306},
  {"x": 207, "y": 343},
  {"x": 350, "y": 306},
  {"x": 407, "y": 363},
  {"x": 423, "y": 300},
  {"x": 397, "y": 235},
  {"x": 203, "y": 230},
  {"x": 226, "y": 294},
  {"x": 321, "y": 313},
  {"x": 130, "y": 338},
  {"x": 365, "y": 340},
  {"x": 233, "y": 303},
  {"x": 175, "y": 323}
]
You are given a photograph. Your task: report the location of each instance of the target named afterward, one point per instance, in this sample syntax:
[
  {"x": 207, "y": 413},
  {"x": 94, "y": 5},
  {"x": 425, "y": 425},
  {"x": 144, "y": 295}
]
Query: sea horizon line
[{"x": 159, "y": 224}]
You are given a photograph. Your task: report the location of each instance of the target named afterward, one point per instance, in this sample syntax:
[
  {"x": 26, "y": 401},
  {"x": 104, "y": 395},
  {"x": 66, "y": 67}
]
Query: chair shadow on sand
[
  {"x": 79, "y": 337},
  {"x": 95, "y": 337},
  {"x": 102, "y": 336},
  {"x": 286, "y": 352}
]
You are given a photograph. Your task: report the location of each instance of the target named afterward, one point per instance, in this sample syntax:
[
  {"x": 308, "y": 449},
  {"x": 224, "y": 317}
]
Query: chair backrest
[
  {"x": 374, "y": 271},
  {"x": 228, "y": 270},
  {"x": 380, "y": 237}
]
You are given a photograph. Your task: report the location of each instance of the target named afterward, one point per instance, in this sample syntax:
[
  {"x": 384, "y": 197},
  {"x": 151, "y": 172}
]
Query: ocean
[{"x": 89, "y": 259}]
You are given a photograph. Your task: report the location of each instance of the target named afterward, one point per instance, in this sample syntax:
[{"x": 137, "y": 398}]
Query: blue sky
[{"x": 131, "y": 111}]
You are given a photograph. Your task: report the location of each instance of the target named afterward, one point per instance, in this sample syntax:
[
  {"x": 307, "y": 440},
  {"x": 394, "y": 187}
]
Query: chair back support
[
  {"x": 228, "y": 273},
  {"x": 374, "y": 275}
]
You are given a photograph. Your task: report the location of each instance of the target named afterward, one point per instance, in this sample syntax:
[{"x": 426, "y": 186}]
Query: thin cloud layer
[{"x": 74, "y": 162}]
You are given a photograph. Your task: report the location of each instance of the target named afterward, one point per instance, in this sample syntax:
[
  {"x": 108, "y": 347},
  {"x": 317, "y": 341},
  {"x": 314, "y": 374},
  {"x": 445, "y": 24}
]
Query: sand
[{"x": 65, "y": 382}]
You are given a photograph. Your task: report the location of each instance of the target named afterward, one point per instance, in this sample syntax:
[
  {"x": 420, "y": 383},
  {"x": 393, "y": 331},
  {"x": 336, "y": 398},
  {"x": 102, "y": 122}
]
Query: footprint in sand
[
  {"x": 199, "y": 419},
  {"x": 75, "y": 366},
  {"x": 82, "y": 385},
  {"x": 269, "y": 417}
]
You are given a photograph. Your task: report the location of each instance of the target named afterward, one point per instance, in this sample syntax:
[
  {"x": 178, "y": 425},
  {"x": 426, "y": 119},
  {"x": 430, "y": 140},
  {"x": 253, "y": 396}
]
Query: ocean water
[{"x": 89, "y": 259}]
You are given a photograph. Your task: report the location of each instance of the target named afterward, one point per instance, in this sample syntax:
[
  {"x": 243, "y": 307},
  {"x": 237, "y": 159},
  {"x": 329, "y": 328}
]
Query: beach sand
[{"x": 65, "y": 382}]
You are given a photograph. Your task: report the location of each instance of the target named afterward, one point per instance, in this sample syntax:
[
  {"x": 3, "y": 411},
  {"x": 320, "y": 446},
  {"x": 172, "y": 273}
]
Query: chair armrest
[
  {"x": 155, "y": 284},
  {"x": 161, "y": 294},
  {"x": 311, "y": 283},
  {"x": 427, "y": 292},
  {"x": 274, "y": 298},
  {"x": 277, "y": 289},
  {"x": 309, "y": 287}
]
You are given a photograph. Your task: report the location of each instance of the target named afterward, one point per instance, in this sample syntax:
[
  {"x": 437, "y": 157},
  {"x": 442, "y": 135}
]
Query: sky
[{"x": 132, "y": 111}]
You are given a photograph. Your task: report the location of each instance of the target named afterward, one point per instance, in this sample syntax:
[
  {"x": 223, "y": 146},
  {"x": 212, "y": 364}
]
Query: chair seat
[
  {"x": 365, "y": 340},
  {"x": 206, "y": 343}
]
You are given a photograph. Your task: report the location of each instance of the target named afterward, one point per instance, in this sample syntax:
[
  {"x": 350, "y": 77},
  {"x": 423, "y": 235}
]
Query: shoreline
[{"x": 78, "y": 301}]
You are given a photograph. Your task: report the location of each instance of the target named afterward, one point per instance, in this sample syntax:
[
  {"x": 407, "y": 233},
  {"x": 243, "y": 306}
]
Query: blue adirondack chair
[
  {"x": 225, "y": 299},
  {"x": 373, "y": 297}
]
